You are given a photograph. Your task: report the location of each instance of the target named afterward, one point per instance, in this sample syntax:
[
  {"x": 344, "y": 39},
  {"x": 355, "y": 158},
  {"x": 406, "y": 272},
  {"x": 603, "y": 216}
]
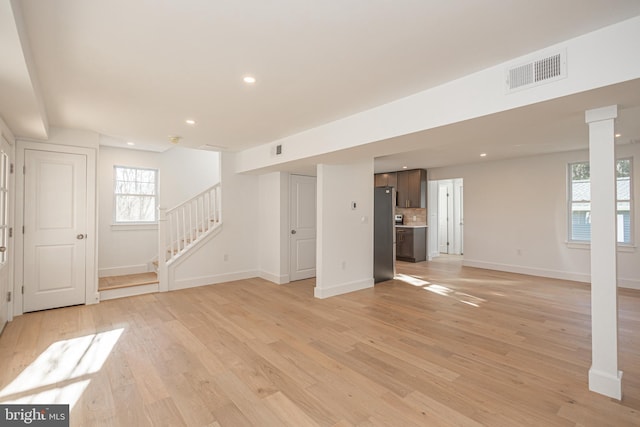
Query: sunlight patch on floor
[
  {"x": 415, "y": 281},
  {"x": 441, "y": 290},
  {"x": 460, "y": 296},
  {"x": 59, "y": 374}
]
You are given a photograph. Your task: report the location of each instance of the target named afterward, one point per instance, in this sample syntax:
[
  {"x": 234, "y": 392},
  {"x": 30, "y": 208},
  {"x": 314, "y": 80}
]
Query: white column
[{"x": 604, "y": 377}]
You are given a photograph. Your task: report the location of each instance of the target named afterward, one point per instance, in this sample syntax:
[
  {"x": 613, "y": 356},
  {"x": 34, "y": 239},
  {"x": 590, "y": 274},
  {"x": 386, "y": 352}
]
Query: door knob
[
  {"x": 293, "y": 231},
  {"x": 3, "y": 249},
  {"x": 80, "y": 236}
]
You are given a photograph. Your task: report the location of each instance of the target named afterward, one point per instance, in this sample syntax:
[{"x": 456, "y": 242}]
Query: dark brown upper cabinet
[
  {"x": 411, "y": 188},
  {"x": 387, "y": 179}
]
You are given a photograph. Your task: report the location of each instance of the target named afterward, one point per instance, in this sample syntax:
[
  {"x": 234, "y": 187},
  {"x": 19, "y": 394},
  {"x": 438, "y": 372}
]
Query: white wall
[
  {"x": 186, "y": 172},
  {"x": 345, "y": 236},
  {"x": 73, "y": 137},
  {"x": 183, "y": 172},
  {"x": 273, "y": 227},
  {"x": 233, "y": 253},
  {"x": 122, "y": 249},
  {"x": 515, "y": 214}
]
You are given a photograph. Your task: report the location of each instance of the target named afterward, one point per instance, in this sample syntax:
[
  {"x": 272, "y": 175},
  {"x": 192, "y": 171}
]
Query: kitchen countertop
[{"x": 411, "y": 226}]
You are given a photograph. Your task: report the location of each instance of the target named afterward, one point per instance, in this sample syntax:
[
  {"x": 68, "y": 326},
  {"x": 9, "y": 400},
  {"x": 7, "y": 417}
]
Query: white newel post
[
  {"x": 163, "y": 283},
  {"x": 604, "y": 376}
]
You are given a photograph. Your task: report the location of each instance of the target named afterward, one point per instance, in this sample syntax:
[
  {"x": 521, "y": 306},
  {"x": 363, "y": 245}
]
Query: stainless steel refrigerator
[{"x": 384, "y": 234}]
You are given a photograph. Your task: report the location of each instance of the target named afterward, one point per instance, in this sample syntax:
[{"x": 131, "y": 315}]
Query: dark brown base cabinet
[{"x": 411, "y": 244}]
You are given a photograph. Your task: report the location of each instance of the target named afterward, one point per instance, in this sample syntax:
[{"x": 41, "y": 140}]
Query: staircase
[
  {"x": 182, "y": 228},
  {"x": 127, "y": 285}
]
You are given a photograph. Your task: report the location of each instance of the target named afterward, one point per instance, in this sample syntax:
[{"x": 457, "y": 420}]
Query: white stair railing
[{"x": 181, "y": 227}]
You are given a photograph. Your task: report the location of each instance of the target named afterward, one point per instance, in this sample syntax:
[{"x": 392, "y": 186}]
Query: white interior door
[
  {"x": 5, "y": 162},
  {"x": 55, "y": 229},
  {"x": 302, "y": 246}
]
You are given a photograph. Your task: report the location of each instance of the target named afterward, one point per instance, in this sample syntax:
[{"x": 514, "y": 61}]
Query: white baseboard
[
  {"x": 531, "y": 271},
  {"x": 628, "y": 283},
  {"x": 553, "y": 274},
  {"x": 343, "y": 288},
  {"x": 121, "y": 271},
  {"x": 128, "y": 292},
  {"x": 604, "y": 383},
  {"x": 194, "y": 282},
  {"x": 275, "y": 278}
]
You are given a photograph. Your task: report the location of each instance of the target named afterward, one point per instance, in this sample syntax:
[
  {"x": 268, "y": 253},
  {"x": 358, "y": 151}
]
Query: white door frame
[
  {"x": 91, "y": 276},
  {"x": 292, "y": 274},
  {"x": 10, "y": 220}
]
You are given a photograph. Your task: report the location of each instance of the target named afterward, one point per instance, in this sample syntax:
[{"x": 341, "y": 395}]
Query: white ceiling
[{"x": 134, "y": 70}]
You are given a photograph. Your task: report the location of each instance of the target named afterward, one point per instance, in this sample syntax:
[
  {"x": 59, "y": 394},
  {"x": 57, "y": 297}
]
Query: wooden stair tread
[{"x": 126, "y": 281}]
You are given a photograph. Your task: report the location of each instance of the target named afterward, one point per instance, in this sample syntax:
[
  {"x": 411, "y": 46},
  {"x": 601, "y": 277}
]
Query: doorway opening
[
  {"x": 449, "y": 217},
  {"x": 302, "y": 225}
]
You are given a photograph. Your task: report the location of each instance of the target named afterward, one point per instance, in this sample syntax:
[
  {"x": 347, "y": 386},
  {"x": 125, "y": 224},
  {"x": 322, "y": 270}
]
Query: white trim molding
[{"x": 343, "y": 288}]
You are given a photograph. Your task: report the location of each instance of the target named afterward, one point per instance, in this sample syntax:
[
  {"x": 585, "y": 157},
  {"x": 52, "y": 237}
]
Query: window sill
[
  {"x": 134, "y": 226},
  {"x": 587, "y": 245}
]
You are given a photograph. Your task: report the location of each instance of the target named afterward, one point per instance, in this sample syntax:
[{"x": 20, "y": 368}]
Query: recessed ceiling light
[
  {"x": 190, "y": 122},
  {"x": 131, "y": 143},
  {"x": 618, "y": 135},
  {"x": 404, "y": 167},
  {"x": 249, "y": 79},
  {"x": 483, "y": 155}
]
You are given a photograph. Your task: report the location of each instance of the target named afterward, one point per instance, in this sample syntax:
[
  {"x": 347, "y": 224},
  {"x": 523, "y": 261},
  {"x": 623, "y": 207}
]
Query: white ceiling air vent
[{"x": 542, "y": 70}]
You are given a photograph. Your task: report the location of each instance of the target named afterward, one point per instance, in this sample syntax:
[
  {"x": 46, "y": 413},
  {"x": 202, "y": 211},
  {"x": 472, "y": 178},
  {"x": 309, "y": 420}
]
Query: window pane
[
  {"x": 146, "y": 188},
  {"x": 581, "y": 221},
  {"x": 580, "y": 190},
  {"x": 580, "y": 211},
  {"x": 135, "y": 194},
  {"x": 623, "y": 168},
  {"x": 146, "y": 175},
  {"x": 580, "y": 171},
  {"x": 623, "y": 188},
  {"x": 127, "y": 209},
  {"x": 623, "y": 227},
  {"x": 147, "y": 209},
  {"x": 125, "y": 187}
]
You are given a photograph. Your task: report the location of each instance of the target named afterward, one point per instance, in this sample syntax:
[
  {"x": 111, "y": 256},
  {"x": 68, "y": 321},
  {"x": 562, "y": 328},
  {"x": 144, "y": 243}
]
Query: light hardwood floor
[{"x": 456, "y": 346}]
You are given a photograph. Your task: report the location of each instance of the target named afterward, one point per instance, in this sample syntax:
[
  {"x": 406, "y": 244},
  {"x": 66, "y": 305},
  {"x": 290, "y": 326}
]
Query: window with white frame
[
  {"x": 135, "y": 195},
  {"x": 580, "y": 201}
]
